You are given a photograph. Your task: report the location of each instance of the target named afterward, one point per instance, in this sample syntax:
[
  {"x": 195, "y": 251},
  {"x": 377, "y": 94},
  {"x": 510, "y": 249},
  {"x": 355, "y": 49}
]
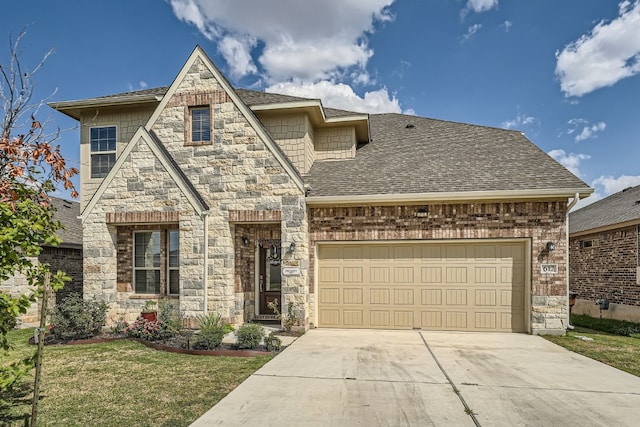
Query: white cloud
[
  {"x": 143, "y": 84},
  {"x": 292, "y": 46},
  {"x": 507, "y": 26},
  {"x": 236, "y": 51},
  {"x": 302, "y": 40},
  {"x": 520, "y": 121},
  {"x": 570, "y": 161},
  {"x": 606, "y": 185},
  {"x": 583, "y": 129},
  {"x": 607, "y": 54},
  {"x": 471, "y": 31},
  {"x": 342, "y": 96},
  {"x": 478, "y": 6}
]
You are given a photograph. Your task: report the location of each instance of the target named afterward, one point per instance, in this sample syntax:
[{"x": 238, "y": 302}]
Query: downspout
[
  {"x": 205, "y": 274},
  {"x": 571, "y": 204}
]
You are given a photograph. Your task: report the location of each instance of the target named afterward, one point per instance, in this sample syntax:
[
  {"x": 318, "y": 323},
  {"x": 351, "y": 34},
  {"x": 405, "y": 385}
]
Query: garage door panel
[
  {"x": 431, "y": 296},
  {"x": 431, "y": 319},
  {"x": 403, "y": 319},
  {"x": 379, "y": 296},
  {"x": 485, "y": 274},
  {"x": 352, "y": 274},
  {"x": 379, "y": 274},
  {"x": 403, "y": 296},
  {"x": 352, "y": 296},
  {"x": 329, "y": 296},
  {"x": 431, "y": 274},
  {"x": 456, "y": 319},
  {"x": 353, "y": 318},
  {"x": 329, "y": 317},
  {"x": 439, "y": 286},
  {"x": 456, "y": 274},
  {"x": 403, "y": 274},
  {"x": 485, "y": 297},
  {"x": 379, "y": 318},
  {"x": 456, "y": 297}
]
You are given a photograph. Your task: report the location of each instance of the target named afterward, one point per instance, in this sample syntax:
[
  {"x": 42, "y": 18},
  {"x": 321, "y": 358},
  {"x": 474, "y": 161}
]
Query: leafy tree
[{"x": 30, "y": 168}]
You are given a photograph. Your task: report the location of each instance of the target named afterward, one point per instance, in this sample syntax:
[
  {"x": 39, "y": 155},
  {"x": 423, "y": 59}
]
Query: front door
[{"x": 269, "y": 277}]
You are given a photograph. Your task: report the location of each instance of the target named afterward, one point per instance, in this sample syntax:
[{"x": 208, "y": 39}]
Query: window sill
[
  {"x": 153, "y": 296},
  {"x": 197, "y": 143}
]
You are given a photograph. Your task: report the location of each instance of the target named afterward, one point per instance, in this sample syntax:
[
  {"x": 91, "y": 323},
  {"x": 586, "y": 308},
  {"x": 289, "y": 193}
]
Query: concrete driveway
[{"x": 400, "y": 378}]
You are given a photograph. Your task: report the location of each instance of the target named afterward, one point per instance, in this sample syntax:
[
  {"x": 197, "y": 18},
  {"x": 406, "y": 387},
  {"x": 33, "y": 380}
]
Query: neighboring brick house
[
  {"x": 604, "y": 248},
  {"x": 225, "y": 199},
  {"x": 66, "y": 257}
]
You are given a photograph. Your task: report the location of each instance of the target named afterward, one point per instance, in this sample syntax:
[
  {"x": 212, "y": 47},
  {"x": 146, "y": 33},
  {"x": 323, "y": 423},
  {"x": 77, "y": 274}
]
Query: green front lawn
[
  {"x": 123, "y": 383},
  {"x": 621, "y": 352}
]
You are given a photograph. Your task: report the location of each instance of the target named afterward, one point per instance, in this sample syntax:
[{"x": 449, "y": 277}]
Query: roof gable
[
  {"x": 199, "y": 54},
  {"x": 143, "y": 136},
  {"x": 619, "y": 209}
]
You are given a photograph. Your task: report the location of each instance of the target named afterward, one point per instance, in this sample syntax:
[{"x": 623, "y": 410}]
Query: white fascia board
[
  {"x": 101, "y": 102},
  {"x": 448, "y": 196}
]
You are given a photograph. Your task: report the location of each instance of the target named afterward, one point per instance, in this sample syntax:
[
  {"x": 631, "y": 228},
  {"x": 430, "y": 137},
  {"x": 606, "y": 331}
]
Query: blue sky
[{"x": 563, "y": 72}]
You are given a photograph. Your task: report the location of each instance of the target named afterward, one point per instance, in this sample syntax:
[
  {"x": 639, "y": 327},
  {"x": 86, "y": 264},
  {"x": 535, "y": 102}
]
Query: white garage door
[{"x": 477, "y": 286}]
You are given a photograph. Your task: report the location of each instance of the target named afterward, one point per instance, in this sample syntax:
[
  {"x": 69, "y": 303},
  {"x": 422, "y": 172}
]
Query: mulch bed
[{"x": 172, "y": 346}]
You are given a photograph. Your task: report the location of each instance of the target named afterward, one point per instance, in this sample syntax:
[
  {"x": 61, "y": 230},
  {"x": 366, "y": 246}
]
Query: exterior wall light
[
  {"x": 551, "y": 246},
  {"x": 292, "y": 247},
  {"x": 245, "y": 240}
]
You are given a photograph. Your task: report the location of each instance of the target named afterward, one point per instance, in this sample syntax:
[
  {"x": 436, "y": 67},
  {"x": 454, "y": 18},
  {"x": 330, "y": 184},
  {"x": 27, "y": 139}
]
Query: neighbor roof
[
  {"x": 67, "y": 213},
  {"x": 619, "y": 208},
  {"x": 409, "y": 154}
]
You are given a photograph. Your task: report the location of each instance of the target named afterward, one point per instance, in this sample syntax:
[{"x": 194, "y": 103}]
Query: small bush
[
  {"x": 249, "y": 335},
  {"x": 211, "y": 332},
  {"x": 76, "y": 318},
  {"x": 272, "y": 342},
  {"x": 147, "y": 330},
  {"x": 169, "y": 317},
  {"x": 208, "y": 339}
]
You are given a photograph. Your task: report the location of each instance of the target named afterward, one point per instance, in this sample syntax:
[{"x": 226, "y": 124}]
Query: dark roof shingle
[
  {"x": 67, "y": 213},
  {"x": 620, "y": 207},
  {"x": 439, "y": 156}
]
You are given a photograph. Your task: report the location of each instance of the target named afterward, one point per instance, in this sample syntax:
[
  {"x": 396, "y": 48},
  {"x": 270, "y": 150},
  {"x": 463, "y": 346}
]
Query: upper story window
[
  {"x": 103, "y": 150},
  {"x": 200, "y": 124}
]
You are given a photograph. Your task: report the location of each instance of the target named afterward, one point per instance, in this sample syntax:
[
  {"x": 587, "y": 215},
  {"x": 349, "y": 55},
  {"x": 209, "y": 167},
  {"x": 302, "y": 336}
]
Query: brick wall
[
  {"x": 538, "y": 221},
  {"x": 609, "y": 269},
  {"x": 69, "y": 261}
]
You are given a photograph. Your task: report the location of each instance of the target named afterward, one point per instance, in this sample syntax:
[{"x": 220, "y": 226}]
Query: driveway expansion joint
[
  {"x": 371, "y": 380},
  {"x": 457, "y": 391}
]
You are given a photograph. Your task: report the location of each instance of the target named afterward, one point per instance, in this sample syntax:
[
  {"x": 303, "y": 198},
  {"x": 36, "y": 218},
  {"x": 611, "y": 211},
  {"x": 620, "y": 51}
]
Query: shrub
[
  {"x": 169, "y": 317},
  {"x": 147, "y": 330},
  {"x": 211, "y": 331},
  {"x": 272, "y": 342},
  {"x": 249, "y": 335},
  {"x": 76, "y": 318},
  {"x": 612, "y": 326}
]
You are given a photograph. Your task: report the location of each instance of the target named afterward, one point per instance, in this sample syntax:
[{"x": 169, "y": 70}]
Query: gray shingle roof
[
  {"x": 67, "y": 213},
  {"x": 620, "y": 207},
  {"x": 439, "y": 156}
]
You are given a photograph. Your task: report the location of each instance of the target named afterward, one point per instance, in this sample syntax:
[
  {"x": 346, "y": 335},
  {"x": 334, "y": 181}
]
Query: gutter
[
  {"x": 571, "y": 204},
  {"x": 560, "y": 193}
]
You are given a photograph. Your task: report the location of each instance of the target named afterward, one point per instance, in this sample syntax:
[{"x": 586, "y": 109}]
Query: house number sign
[
  {"x": 549, "y": 268},
  {"x": 290, "y": 271}
]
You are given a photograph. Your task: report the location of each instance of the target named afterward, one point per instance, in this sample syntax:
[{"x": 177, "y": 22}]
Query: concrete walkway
[{"x": 406, "y": 378}]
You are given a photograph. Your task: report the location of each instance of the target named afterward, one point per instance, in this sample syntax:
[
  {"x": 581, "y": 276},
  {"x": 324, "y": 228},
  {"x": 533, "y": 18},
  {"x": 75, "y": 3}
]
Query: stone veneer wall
[
  {"x": 126, "y": 122},
  {"x": 235, "y": 172},
  {"x": 335, "y": 143},
  {"x": 609, "y": 269},
  {"x": 538, "y": 221}
]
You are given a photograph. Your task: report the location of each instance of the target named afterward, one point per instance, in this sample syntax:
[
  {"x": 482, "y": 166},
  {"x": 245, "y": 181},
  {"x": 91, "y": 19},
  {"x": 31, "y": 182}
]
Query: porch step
[{"x": 265, "y": 317}]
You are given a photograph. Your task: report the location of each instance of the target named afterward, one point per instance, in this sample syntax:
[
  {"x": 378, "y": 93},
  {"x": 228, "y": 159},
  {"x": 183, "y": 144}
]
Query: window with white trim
[
  {"x": 156, "y": 265},
  {"x": 103, "y": 150},
  {"x": 200, "y": 124}
]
